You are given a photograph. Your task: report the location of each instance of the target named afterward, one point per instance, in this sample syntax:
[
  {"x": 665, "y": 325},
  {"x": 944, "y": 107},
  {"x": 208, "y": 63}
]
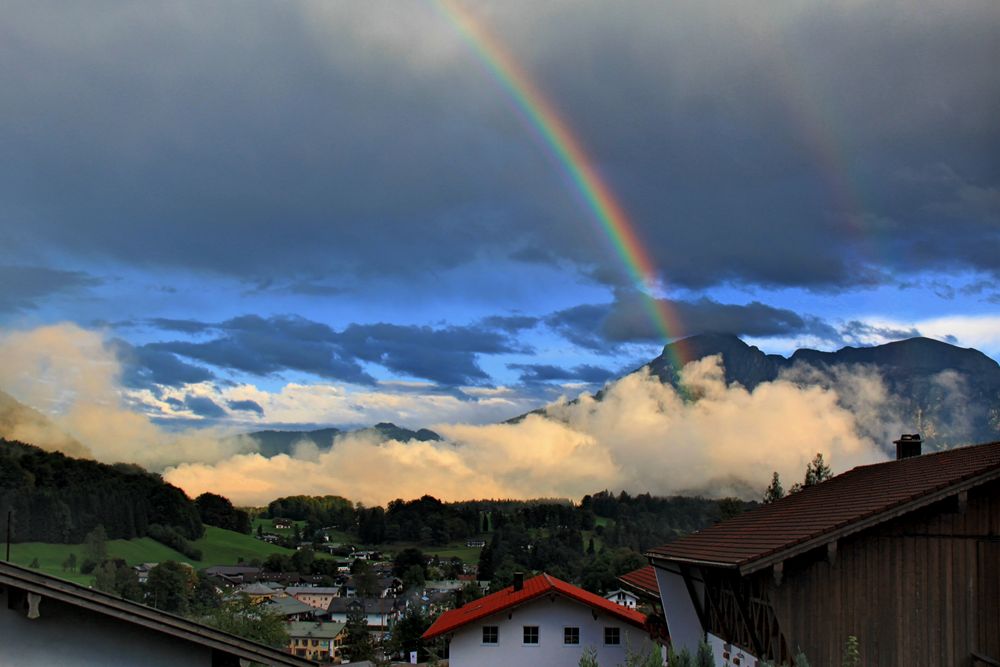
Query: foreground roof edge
[{"x": 21, "y": 578}]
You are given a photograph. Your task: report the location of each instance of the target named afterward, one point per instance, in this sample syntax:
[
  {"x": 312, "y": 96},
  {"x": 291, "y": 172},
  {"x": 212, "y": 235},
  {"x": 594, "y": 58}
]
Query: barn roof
[
  {"x": 533, "y": 588},
  {"x": 642, "y": 581},
  {"x": 859, "y": 498}
]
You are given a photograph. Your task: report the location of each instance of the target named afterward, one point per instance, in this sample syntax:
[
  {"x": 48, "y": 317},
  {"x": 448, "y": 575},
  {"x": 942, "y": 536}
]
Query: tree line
[{"x": 52, "y": 497}]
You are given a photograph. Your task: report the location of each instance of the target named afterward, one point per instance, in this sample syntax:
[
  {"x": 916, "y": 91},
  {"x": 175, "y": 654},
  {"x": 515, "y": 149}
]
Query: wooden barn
[{"x": 902, "y": 555}]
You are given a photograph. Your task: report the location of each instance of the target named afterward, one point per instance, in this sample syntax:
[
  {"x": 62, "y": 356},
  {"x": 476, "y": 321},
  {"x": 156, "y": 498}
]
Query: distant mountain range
[
  {"x": 273, "y": 442},
  {"x": 950, "y": 394}
]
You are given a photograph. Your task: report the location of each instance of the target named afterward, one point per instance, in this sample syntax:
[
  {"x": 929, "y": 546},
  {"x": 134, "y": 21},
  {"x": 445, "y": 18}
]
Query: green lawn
[
  {"x": 218, "y": 547},
  {"x": 458, "y": 548},
  {"x": 267, "y": 525},
  {"x": 224, "y": 547}
]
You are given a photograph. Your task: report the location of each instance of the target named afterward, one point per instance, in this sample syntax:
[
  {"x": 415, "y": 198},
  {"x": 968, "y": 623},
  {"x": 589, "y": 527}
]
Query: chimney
[
  {"x": 908, "y": 445},
  {"x": 518, "y": 581}
]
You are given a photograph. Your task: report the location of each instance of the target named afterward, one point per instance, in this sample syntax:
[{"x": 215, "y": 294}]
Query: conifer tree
[
  {"x": 817, "y": 471},
  {"x": 775, "y": 490}
]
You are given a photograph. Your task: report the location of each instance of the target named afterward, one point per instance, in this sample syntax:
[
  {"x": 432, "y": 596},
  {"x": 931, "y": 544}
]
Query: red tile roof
[
  {"x": 642, "y": 580},
  {"x": 853, "y": 500},
  {"x": 535, "y": 587}
]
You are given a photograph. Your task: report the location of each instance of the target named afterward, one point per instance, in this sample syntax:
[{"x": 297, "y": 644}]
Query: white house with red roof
[{"x": 541, "y": 621}]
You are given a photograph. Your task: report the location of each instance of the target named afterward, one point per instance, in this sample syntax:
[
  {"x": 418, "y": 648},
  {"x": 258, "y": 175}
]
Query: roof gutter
[{"x": 658, "y": 559}]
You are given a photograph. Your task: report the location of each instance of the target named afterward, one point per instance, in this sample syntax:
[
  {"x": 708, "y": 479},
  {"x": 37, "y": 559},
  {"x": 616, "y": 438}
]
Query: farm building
[{"x": 902, "y": 555}]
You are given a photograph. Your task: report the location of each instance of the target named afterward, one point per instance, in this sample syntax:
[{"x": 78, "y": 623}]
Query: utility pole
[{"x": 9, "y": 512}]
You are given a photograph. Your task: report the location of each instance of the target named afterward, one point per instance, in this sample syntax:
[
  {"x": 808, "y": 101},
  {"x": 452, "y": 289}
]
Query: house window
[
  {"x": 531, "y": 634},
  {"x": 612, "y": 636},
  {"x": 571, "y": 636},
  {"x": 491, "y": 634}
]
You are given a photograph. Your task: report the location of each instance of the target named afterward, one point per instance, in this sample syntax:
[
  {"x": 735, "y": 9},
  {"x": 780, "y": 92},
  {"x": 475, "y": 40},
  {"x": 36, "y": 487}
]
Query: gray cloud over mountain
[{"x": 627, "y": 319}]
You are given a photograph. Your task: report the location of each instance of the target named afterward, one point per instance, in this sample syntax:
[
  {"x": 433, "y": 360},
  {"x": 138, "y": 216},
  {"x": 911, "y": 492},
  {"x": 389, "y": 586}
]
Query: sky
[{"x": 324, "y": 213}]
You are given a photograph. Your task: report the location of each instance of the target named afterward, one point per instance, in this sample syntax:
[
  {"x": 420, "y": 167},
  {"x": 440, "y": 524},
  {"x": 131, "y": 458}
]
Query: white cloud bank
[
  {"x": 642, "y": 436},
  {"x": 69, "y": 374}
]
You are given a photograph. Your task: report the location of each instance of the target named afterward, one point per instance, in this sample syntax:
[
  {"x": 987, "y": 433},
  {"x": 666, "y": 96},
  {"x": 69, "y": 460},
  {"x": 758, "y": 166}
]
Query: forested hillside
[{"x": 56, "y": 498}]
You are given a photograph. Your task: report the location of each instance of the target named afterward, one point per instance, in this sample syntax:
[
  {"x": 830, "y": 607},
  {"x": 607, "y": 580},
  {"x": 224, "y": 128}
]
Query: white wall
[
  {"x": 68, "y": 636},
  {"x": 682, "y": 619},
  {"x": 734, "y": 657},
  {"x": 551, "y": 613},
  {"x": 374, "y": 620}
]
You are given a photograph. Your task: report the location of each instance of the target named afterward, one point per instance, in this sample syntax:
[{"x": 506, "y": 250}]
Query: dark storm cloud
[
  {"x": 183, "y": 326},
  {"x": 818, "y": 144},
  {"x": 510, "y": 323},
  {"x": 855, "y": 332},
  {"x": 145, "y": 367},
  {"x": 600, "y": 326},
  {"x": 533, "y": 373},
  {"x": 203, "y": 406},
  {"x": 266, "y": 346},
  {"x": 246, "y": 406},
  {"x": 22, "y": 287},
  {"x": 446, "y": 355}
]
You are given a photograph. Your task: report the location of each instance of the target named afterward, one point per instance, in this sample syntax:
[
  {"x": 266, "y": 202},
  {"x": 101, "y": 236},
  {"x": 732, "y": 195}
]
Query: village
[{"x": 891, "y": 563}]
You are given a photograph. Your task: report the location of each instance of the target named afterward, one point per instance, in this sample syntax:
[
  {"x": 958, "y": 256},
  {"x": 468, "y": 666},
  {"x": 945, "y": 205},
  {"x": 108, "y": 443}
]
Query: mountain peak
[{"x": 956, "y": 408}]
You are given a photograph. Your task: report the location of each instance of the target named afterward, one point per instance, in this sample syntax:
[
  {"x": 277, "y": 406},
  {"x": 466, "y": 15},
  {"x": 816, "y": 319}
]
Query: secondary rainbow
[{"x": 557, "y": 137}]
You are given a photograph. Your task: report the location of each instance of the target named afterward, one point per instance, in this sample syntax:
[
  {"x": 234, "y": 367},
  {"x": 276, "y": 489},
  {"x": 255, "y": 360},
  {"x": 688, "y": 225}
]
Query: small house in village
[
  {"x": 315, "y": 596},
  {"x": 259, "y": 592},
  {"x": 142, "y": 571},
  {"x": 379, "y": 613},
  {"x": 541, "y": 621},
  {"x": 233, "y": 575},
  {"x": 290, "y": 609},
  {"x": 320, "y": 642},
  {"x": 622, "y": 597},
  {"x": 642, "y": 583},
  {"x": 903, "y": 555}
]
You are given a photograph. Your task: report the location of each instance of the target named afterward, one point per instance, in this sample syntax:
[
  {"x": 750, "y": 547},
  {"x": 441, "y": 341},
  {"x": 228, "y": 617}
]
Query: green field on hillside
[
  {"x": 267, "y": 525},
  {"x": 218, "y": 547},
  {"x": 225, "y": 547},
  {"x": 444, "y": 552}
]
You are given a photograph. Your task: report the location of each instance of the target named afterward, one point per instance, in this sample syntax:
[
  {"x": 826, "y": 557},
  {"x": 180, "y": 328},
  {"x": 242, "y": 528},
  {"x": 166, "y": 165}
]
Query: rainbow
[{"x": 557, "y": 137}]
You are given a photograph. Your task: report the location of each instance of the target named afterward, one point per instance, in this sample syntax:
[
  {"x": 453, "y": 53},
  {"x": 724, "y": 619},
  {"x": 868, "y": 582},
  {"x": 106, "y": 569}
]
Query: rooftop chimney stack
[
  {"x": 908, "y": 446},
  {"x": 518, "y": 581}
]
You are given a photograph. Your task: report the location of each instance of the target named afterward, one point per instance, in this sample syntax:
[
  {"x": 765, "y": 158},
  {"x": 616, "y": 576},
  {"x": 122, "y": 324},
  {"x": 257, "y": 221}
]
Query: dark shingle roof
[
  {"x": 642, "y": 580},
  {"x": 851, "y": 501},
  {"x": 371, "y": 605}
]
